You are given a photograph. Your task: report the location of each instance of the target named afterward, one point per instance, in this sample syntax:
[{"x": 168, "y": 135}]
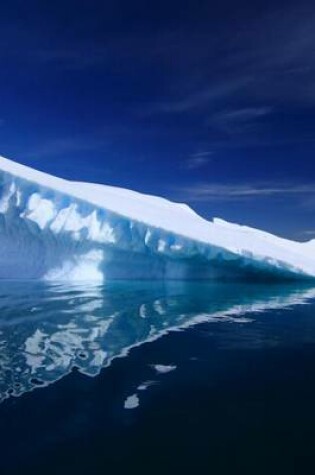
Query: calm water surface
[{"x": 157, "y": 378}]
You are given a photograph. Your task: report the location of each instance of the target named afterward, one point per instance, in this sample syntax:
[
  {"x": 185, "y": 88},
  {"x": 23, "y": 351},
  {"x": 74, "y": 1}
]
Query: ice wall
[{"x": 47, "y": 232}]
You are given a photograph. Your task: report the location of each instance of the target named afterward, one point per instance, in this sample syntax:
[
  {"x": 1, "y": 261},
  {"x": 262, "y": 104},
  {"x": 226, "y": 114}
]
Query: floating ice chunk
[
  {"x": 144, "y": 386},
  {"x": 131, "y": 402},
  {"x": 163, "y": 369}
]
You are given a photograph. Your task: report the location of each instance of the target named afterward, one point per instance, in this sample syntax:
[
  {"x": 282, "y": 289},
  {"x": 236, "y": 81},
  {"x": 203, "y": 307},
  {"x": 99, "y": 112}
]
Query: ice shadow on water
[{"x": 46, "y": 330}]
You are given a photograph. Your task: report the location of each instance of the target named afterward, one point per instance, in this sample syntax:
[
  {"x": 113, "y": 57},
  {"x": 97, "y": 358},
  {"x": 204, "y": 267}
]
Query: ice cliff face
[{"x": 55, "y": 229}]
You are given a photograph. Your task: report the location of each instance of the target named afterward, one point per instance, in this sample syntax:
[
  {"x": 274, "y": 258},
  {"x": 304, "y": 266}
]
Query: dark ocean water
[{"x": 157, "y": 378}]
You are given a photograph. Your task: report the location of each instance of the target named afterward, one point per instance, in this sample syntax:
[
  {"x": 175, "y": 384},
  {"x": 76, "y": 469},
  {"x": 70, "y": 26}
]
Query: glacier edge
[{"x": 54, "y": 229}]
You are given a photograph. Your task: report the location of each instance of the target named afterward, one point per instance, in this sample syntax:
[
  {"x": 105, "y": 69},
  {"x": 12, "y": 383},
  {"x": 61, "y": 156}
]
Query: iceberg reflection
[{"x": 46, "y": 330}]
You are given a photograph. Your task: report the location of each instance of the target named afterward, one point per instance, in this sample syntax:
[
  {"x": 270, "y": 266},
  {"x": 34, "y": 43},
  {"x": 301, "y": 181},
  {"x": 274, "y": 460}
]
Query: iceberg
[{"x": 58, "y": 230}]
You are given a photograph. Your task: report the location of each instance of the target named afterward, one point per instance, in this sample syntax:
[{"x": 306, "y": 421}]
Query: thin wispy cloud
[
  {"x": 244, "y": 114},
  {"x": 239, "y": 120},
  {"x": 204, "y": 192},
  {"x": 197, "y": 160},
  {"x": 197, "y": 99},
  {"x": 256, "y": 65}
]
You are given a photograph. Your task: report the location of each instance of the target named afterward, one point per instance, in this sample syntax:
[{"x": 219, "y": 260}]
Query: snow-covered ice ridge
[{"x": 56, "y": 229}]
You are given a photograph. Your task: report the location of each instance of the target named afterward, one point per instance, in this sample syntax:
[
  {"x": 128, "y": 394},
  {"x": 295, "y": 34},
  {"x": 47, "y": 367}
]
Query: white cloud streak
[
  {"x": 229, "y": 192},
  {"x": 197, "y": 160}
]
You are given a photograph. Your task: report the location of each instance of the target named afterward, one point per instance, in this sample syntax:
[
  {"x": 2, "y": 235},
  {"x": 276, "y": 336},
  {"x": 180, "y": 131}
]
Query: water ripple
[{"x": 46, "y": 330}]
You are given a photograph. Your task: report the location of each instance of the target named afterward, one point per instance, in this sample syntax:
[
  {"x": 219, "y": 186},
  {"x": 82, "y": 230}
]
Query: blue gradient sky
[{"x": 211, "y": 103}]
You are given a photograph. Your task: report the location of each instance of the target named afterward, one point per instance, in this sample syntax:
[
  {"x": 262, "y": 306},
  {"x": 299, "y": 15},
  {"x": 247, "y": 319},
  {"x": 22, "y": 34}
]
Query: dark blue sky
[{"x": 211, "y": 103}]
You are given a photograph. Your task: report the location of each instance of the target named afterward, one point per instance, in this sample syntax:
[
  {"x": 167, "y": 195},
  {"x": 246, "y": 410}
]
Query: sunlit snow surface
[
  {"x": 54, "y": 229},
  {"x": 47, "y": 330}
]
